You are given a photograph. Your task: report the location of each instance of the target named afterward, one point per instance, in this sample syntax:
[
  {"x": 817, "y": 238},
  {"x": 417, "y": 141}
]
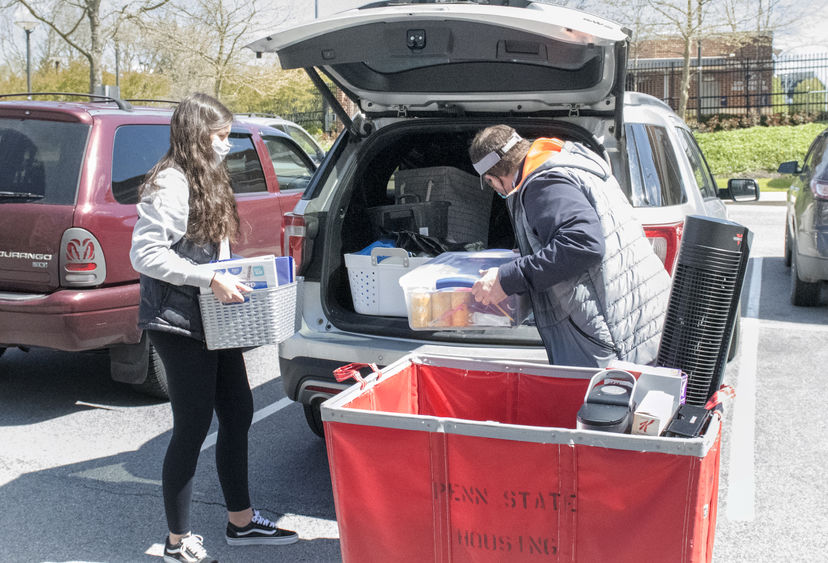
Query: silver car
[{"x": 426, "y": 77}]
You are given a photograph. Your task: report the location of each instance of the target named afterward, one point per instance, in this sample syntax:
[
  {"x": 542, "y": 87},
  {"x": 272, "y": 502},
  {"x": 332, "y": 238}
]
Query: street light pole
[
  {"x": 25, "y": 20},
  {"x": 28, "y": 59}
]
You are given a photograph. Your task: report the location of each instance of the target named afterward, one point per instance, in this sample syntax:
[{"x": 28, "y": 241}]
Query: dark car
[
  {"x": 806, "y": 223},
  {"x": 69, "y": 178}
]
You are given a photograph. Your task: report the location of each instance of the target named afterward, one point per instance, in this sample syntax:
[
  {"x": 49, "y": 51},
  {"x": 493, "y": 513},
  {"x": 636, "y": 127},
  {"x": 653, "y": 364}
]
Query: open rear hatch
[
  {"x": 445, "y": 61},
  {"x": 463, "y": 58}
]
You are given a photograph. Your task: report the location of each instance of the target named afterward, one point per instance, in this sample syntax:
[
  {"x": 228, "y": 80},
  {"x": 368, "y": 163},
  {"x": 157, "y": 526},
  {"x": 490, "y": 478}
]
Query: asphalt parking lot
[{"x": 80, "y": 455}]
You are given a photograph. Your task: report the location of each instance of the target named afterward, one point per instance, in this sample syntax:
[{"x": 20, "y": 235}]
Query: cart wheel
[{"x": 313, "y": 415}]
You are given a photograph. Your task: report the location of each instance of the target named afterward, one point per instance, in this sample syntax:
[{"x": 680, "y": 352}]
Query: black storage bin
[{"x": 431, "y": 216}]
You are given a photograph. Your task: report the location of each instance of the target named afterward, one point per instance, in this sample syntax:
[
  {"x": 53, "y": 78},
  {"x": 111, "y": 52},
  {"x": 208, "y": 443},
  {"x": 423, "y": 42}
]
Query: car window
[
  {"x": 303, "y": 139},
  {"x": 292, "y": 170},
  {"x": 704, "y": 179},
  {"x": 246, "y": 174},
  {"x": 40, "y": 161},
  {"x": 821, "y": 158},
  {"x": 136, "y": 149},
  {"x": 816, "y": 157},
  {"x": 654, "y": 174}
]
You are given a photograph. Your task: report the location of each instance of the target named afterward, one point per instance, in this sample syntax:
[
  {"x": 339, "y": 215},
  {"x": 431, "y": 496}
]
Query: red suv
[{"x": 69, "y": 178}]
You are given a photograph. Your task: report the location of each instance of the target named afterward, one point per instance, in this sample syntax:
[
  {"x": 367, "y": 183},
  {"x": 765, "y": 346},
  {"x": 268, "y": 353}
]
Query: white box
[
  {"x": 653, "y": 414},
  {"x": 258, "y": 272},
  {"x": 375, "y": 280},
  {"x": 654, "y": 378}
]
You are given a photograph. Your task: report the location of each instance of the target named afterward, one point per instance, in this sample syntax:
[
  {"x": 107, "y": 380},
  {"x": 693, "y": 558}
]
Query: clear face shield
[{"x": 488, "y": 161}]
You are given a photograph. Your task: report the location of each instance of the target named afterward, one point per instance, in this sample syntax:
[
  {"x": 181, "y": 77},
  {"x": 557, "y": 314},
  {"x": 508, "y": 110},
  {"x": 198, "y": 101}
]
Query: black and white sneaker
[
  {"x": 260, "y": 531},
  {"x": 189, "y": 550}
]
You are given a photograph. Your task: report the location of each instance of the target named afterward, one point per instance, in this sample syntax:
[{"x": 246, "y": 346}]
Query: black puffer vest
[{"x": 175, "y": 308}]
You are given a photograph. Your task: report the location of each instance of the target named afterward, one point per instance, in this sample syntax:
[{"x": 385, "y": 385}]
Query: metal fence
[
  {"x": 320, "y": 121},
  {"x": 736, "y": 86}
]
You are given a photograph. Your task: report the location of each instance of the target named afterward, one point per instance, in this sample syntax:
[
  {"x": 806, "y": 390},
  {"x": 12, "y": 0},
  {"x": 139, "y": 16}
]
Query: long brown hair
[{"x": 213, "y": 215}]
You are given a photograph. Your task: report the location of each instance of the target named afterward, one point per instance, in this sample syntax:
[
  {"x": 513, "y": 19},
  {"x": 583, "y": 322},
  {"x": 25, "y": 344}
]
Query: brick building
[{"x": 736, "y": 71}]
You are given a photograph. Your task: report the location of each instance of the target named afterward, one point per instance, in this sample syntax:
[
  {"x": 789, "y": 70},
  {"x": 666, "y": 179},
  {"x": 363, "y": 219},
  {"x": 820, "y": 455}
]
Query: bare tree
[
  {"x": 685, "y": 18},
  {"x": 204, "y": 40},
  {"x": 86, "y": 27}
]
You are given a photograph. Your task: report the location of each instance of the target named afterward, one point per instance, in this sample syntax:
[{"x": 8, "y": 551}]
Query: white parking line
[
  {"x": 741, "y": 486},
  {"x": 260, "y": 414}
]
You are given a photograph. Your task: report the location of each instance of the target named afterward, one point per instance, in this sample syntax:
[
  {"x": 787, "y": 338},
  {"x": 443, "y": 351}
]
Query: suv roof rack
[
  {"x": 151, "y": 100},
  {"x": 122, "y": 104},
  {"x": 256, "y": 114}
]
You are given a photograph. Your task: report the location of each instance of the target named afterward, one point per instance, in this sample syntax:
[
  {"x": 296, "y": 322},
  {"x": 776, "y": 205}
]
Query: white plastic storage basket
[
  {"x": 468, "y": 214},
  {"x": 375, "y": 280},
  {"x": 267, "y": 317}
]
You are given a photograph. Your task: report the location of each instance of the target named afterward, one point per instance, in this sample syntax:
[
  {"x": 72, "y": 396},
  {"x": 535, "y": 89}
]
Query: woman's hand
[
  {"x": 487, "y": 289},
  {"x": 228, "y": 288}
]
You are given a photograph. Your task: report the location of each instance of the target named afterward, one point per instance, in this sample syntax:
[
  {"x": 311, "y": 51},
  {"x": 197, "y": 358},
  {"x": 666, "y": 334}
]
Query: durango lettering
[{"x": 24, "y": 255}]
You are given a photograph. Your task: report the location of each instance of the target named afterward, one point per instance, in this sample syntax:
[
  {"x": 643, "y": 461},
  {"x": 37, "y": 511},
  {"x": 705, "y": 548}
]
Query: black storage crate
[{"x": 424, "y": 217}]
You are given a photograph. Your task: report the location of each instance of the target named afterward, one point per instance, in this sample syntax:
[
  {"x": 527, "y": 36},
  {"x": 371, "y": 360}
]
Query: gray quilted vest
[{"x": 621, "y": 303}]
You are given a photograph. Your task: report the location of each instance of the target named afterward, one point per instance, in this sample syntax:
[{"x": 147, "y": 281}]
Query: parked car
[
  {"x": 806, "y": 223},
  {"x": 426, "y": 78},
  {"x": 296, "y": 131},
  {"x": 69, "y": 178}
]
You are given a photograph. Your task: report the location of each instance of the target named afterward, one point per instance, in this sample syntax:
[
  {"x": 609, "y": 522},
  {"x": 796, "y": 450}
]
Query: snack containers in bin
[{"x": 438, "y": 294}]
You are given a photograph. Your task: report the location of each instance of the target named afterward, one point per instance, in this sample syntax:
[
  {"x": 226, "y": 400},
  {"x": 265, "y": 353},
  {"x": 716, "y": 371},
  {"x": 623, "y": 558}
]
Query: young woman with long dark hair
[{"x": 187, "y": 216}]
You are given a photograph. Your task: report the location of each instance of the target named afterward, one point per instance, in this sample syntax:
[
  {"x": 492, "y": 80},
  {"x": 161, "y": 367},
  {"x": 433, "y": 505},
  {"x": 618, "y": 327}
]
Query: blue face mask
[{"x": 514, "y": 180}]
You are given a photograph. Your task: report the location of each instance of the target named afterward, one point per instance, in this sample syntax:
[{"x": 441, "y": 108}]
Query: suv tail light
[
  {"x": 294, "y": 241},
  {"x": 82, "y": 262},
  {"x": 819, "y": 188},
  {"x": 665, "y": 240}
]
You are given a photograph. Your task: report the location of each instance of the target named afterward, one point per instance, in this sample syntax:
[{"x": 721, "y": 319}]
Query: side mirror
[
  {"x": 789, "y": 167},
  {"x": 740, "y": 189}
]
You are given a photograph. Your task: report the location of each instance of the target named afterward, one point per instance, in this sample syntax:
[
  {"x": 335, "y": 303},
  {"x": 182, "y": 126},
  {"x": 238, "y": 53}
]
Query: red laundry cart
[{"x": 448, "y": 459}]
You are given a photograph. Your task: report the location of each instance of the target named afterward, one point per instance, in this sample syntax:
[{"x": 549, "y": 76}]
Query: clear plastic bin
[{"x": 438, "y": 294}]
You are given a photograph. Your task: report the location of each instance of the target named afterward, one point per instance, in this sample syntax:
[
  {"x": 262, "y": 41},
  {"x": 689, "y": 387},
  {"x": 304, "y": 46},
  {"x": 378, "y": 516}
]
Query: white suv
[
  {"x": 296, "y": 132},
  {"x": 426, "y": 77}
]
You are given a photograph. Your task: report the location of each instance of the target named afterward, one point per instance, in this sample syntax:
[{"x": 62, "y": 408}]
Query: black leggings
[{"x": 200, "y": 380}]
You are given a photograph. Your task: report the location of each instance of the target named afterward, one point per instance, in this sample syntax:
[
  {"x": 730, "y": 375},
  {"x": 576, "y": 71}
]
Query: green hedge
[{"x": 757, "y": 149}]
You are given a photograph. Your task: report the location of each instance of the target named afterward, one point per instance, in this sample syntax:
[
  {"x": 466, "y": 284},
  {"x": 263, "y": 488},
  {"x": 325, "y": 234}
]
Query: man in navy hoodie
[{"x": 598, "y": 290}]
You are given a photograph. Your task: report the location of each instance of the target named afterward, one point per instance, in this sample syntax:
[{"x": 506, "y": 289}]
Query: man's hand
[
  {"x": 487, "y": 289},
  {"x": 227, "y": 288}
]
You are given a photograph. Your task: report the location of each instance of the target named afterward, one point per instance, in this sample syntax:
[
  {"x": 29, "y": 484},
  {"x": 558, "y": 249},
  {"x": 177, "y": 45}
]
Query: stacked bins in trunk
[{"x": 471, "y": 204}]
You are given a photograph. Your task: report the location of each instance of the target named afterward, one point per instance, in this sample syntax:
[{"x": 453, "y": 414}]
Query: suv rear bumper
[
  {"x": 307, "y": 359},
  {"x": 71, "y": 320},
  {"x": 812, "y": 268}
]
